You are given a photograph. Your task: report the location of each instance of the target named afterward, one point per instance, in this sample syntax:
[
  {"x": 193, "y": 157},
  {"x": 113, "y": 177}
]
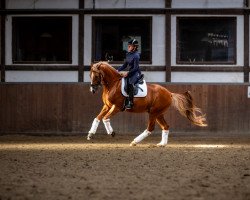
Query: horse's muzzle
[{"x": 93, "y": 88}]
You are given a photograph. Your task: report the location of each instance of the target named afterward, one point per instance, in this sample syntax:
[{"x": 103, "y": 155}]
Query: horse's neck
[{"x": 111, "y": 78}]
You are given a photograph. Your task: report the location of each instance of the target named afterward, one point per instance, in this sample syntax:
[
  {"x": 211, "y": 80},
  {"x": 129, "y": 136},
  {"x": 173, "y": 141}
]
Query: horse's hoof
[
  {"x": 161, "y": 145},
  {"x": 133, "y": 143},
  {"x": 89, "y": 137},
  {"x": 113, "y": 134}
]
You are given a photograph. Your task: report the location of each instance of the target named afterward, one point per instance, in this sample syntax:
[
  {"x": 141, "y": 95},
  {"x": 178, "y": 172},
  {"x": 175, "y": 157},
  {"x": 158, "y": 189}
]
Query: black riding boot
[{"x": 130, "y": 103}]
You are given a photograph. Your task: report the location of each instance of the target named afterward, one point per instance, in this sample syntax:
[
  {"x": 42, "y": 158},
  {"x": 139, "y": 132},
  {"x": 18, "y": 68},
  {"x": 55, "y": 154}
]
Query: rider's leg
[{"x": 130, "y": 97}]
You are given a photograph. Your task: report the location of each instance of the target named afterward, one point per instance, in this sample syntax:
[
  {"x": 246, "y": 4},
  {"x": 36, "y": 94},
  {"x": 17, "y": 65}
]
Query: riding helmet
[{"x": 133, "y": 42}]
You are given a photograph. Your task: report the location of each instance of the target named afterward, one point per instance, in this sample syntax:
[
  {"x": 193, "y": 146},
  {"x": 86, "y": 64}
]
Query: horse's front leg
[
  {"x": 96, "y": 121},
  {"x": 106, "y": 120}
]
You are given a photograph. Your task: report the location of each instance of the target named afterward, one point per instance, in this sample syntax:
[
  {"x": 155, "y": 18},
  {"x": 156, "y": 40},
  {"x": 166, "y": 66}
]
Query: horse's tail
[{"x": 185, "y": 105}]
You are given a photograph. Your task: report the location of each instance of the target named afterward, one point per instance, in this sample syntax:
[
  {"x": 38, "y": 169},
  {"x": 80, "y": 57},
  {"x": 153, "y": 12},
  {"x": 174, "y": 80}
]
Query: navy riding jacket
[{"x": 132, "y": 60}]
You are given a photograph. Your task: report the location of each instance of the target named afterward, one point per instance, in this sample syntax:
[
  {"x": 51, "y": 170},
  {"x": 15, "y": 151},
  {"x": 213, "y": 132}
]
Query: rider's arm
[{"x": 122, "y": 67}]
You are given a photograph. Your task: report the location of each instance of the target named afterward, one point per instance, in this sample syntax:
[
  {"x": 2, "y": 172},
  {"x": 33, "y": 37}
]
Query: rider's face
[{"x": 130, "y": 47}]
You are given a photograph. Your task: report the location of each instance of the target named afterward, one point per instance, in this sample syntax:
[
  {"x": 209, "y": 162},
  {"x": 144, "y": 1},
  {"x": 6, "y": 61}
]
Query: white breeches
[{"x": 108, "y": 126}]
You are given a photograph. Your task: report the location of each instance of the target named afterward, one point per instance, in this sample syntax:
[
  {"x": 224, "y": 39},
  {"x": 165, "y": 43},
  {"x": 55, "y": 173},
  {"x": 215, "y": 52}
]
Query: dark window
[
  {"x": 206, "y": 40},
  {"x": 112, "y": 34},
  {"x": 42, "y": 39}
]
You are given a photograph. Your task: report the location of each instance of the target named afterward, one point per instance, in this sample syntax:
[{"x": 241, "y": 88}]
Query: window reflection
[
  {"x": 42, "y": 39},
  {"x": 112, "y": 34},
  {"x": 206, "y": 40}
]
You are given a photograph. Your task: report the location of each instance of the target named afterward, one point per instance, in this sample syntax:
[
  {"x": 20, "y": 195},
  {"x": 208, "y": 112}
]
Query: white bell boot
[
  {"x": 140, "y": 137},
  {"x": 164, "y": 138},
  {"x": 93, "y": 129},
  {"x": 108, "y": 126}
]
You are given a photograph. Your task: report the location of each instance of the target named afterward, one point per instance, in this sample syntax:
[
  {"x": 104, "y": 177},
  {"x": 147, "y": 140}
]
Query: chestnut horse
[{"x": 156, "y": 103}]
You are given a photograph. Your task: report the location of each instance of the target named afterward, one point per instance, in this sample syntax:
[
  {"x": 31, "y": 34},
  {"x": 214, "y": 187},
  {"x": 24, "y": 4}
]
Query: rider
[{"x": 134, "y": 73}]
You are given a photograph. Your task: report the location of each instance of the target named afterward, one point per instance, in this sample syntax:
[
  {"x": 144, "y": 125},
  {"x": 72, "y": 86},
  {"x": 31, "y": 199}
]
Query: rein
[{"x": 101, "y": 74}]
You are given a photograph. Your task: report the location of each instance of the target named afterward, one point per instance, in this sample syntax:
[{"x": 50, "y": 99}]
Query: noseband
[
  {"x": 98, "y": 83},
  {"x": 100, "y": 78},
  {"x": 95, "y": 86}
]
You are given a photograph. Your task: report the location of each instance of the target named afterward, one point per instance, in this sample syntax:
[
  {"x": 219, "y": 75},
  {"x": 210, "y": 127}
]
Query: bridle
[{"x": 99, "y": 82}]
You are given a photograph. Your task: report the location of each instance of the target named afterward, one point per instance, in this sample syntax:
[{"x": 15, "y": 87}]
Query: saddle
[{"x": 140, "y": 87}]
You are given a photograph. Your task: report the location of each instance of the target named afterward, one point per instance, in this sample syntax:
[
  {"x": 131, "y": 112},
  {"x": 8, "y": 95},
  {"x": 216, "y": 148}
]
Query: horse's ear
[
  {"x": 98, "y": 65},
  {"x": 94, "y": 66}
]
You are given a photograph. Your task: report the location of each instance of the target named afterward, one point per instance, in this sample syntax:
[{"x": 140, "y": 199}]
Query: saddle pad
[{"x": 142, "y": 91}]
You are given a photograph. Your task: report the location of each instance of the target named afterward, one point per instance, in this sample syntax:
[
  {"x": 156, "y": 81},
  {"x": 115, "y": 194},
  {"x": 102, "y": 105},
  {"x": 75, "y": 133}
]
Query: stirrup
[{"x": 129, "y": 105}]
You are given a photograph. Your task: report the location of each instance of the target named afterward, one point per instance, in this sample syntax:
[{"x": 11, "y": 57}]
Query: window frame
[
  {"x": 234, "y": 62},
  {"x": 149, "y": 18},
  {"x": 14, "y": 37}
]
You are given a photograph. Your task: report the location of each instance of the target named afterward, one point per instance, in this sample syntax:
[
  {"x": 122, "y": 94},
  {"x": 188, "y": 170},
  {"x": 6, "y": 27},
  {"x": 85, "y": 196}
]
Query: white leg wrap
[
  {"x": 94, "y": 126},
  {"x": 108, "y": 126},
  {"x": 164, "y": 138},
  {"x": 142, "y": 136}
]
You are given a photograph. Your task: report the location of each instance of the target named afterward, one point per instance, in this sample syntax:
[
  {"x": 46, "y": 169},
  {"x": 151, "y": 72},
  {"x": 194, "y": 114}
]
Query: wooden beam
[
  {"x": 2, "y": 54},
  {"x": 142, "y": 67},
  {"x": 246, "y": 3},
  {"x": 206, "y": 69},
  {"x": 246, "y": 48},
  {"x": 211, "y": 11},
  {"x": 80, "y": 47},
  {"x": 168, "y": 47},
  {"x": 81, "y": 4},
  {"x": 81, "y": 42},
  {"x": 42, "y": 67},
  {"x": 2, "y": 4},
  {"x": 168, "y": 3}
]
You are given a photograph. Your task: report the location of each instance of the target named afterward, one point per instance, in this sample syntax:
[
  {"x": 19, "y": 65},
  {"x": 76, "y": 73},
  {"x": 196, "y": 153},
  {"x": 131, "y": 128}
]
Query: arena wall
[{"x": 69, "y": 108}]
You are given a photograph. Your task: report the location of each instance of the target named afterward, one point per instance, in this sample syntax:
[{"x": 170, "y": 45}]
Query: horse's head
[
  {"x": 102, "y": 73},
  {"x": 96, "y": 76}
]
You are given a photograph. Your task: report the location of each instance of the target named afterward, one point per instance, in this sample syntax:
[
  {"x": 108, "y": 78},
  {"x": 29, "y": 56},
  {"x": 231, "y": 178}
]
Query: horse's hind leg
[
  {"x": 165, "y": 130},
  {"x": 147, "y": 132}
]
